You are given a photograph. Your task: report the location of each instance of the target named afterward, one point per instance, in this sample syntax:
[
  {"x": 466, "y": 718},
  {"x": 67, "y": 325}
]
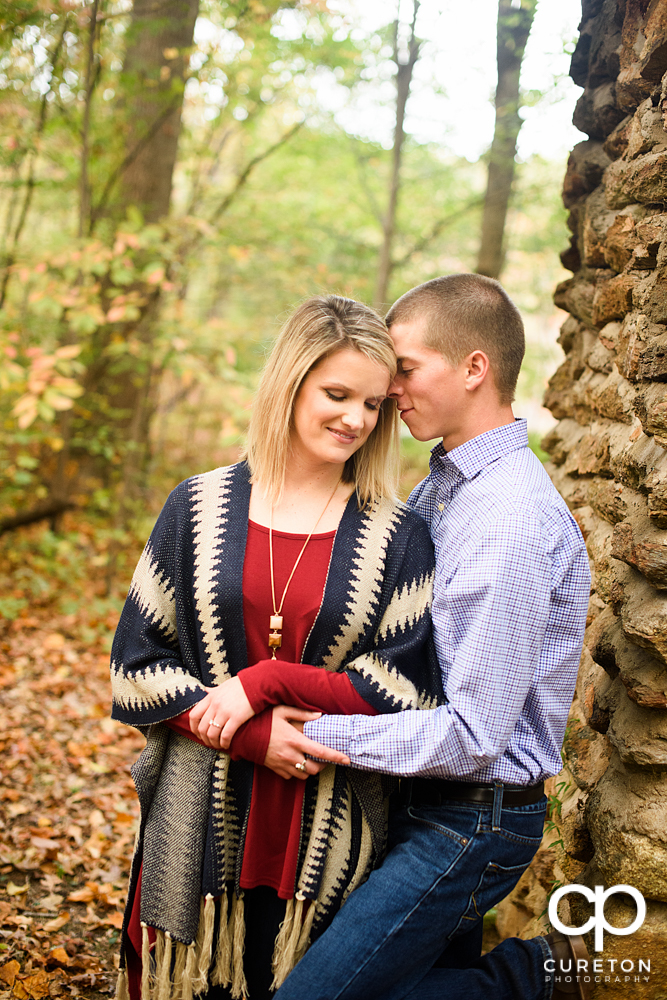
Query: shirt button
[{"x": 441, "y": 506}]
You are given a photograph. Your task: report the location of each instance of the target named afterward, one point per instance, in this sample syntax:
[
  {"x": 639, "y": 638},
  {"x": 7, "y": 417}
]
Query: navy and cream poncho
[{"x": 181, "y": 630}]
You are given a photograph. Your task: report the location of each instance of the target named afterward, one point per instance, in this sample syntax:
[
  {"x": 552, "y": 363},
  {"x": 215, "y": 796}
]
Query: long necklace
[{"x": 276, "y": 619}]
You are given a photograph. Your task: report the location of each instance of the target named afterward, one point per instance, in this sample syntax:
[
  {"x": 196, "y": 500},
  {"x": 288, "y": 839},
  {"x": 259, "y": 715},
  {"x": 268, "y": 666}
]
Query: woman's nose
[{"x": 353, "y": 417}]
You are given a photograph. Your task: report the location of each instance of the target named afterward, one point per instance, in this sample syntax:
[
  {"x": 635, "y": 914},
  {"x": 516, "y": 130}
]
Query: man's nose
[{"x": 395, "y": 388}]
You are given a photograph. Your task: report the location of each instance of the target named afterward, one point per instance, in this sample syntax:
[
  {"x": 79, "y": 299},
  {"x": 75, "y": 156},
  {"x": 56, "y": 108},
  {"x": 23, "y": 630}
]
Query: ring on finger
[
  {"x": 301, "y": 766},
  {"x": 212, "y": 723}
]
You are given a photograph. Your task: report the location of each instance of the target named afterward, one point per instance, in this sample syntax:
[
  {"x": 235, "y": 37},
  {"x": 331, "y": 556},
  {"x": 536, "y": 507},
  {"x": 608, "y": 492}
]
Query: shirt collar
[{"x": 473, "y": 455}]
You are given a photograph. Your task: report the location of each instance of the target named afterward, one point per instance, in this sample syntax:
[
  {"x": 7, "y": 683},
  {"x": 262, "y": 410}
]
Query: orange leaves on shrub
[{"x": 49, "y": 385}]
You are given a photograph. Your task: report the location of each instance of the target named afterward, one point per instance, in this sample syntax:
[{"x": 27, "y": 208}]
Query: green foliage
[
  {"x": 272, "y": 202},
  {"x": 552, "y": 828},
  {"x": 64, "y": 571}
]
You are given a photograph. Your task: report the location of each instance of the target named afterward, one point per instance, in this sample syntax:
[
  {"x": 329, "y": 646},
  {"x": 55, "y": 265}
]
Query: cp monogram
[{"x": 598, "y": 921}]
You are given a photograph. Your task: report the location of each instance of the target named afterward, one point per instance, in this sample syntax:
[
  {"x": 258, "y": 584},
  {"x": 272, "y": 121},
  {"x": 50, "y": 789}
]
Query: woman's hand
[{"x": 216, "y": 717}]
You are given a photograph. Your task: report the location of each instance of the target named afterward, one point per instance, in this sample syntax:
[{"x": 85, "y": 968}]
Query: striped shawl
[{"x": 181, "y": 630}]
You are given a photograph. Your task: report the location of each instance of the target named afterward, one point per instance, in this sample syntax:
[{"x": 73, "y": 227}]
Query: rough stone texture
[{"x": 609, "y": 460}]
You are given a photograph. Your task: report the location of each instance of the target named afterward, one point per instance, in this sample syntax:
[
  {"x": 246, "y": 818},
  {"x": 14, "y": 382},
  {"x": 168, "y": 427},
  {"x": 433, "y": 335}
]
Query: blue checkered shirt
[{"x": 509, "y": 611}]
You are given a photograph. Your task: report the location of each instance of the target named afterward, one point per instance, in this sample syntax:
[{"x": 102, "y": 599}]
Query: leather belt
[{"x": 437, "y": 791}]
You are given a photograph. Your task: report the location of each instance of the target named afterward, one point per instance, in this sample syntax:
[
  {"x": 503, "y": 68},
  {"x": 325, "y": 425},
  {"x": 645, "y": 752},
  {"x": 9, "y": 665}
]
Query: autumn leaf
[
  {"x": 45, "y": 843},
  {"x": 85, "y": 895},
  {"x": 57, "y": 922},
  {"x": 16, "y": 890},
  {"x": 51, "y": 902},
  {"x": 9, "y": 972},
  {"x": 154, "y": 275},
  {"x": 58, "y": 956},
  {"x": 55, "y": 640},
  {"x": 116, "y": 314},
  {"x": 33, "y": 987},
  {"x": 68, "y": 351}
]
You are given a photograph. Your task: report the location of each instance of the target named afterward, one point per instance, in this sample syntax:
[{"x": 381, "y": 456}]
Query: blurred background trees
[
  {"x": 173, "y": 179},
  {"x": 514, "y": 23}
]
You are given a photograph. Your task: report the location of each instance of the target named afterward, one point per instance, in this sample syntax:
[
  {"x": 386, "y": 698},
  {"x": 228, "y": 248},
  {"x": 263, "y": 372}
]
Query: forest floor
[{"x": 67, "y": 806}]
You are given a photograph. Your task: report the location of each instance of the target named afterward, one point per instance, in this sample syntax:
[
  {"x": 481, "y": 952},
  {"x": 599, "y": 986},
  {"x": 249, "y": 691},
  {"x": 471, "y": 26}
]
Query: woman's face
[{"x": 337, "y": 407}]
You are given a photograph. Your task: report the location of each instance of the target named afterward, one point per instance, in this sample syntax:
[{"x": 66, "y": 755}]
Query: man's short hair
[{"x": 466, "y": 313}]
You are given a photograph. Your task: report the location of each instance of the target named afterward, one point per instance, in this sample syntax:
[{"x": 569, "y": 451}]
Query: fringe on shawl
[
  {"x": 221, "y": 975},
  {"x": 293, "y": 938},
  {"x": 239, "y": 985},
  {"x": 122, "y": 986},
  {"x": 178, "y": 971}
]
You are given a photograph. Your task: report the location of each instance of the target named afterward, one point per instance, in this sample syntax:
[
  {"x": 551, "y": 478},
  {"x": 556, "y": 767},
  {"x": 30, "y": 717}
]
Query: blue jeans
[{"x": 445, "y": 867}]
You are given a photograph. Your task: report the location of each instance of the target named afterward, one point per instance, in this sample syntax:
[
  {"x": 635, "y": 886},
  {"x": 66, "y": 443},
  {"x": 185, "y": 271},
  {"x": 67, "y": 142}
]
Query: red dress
[{"x": 272, "y": 839}]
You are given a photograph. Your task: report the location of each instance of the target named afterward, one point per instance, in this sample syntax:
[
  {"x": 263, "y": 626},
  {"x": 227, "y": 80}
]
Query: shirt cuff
[{"x": 333, "y": 731}]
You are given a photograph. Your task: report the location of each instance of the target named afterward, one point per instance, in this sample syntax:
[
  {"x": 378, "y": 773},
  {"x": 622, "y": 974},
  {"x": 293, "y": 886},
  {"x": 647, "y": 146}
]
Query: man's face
[{"x": 429, "y": 392}]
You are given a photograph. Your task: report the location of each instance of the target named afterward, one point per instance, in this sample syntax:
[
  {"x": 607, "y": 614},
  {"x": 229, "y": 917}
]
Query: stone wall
[{"x": 609, "y": 460}]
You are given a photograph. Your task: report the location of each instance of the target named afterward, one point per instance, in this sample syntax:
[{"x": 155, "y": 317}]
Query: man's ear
[{"x": 476, "y": 367}]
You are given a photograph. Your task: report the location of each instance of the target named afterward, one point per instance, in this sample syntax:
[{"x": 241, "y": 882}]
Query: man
[{"x": 509, "y": 609}]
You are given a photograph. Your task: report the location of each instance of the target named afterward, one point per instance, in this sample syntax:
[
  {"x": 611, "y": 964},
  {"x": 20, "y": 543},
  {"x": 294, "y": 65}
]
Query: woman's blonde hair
[{"x": 320, "y": 327}]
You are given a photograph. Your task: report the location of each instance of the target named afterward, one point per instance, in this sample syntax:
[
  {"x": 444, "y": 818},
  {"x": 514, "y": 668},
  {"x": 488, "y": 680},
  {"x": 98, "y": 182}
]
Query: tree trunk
[
  {"x": 158, "y": 47},
  {"x": 403, "y": 82},
  {"x": 514, "y": 24},
  {"x": 122, "y": 387}
]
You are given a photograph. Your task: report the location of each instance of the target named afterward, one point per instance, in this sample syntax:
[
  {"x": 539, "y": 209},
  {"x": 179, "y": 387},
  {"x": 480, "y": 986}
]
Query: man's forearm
[{"x": 432, "y": 743}]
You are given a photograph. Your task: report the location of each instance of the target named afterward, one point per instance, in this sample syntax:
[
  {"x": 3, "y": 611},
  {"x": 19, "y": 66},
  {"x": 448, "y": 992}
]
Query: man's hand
[
  {"x": 216, "y": 717},
  {"x": 288, "y": 746}
]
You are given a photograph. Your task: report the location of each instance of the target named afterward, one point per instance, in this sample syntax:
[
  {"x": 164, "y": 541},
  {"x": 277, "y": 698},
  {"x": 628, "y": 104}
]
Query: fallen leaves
[
  {"x": 58, "y": 922},
  {"x": 32, "y": 987},
  {"x": 58, "y": 956},
  {"x": 9, "y": 971},
  {"x": 68, "y": 811},
  {"x": 15, "y": 890},
  {"x": 51, "y": 901},
  {"x": 95, "y": 892}
]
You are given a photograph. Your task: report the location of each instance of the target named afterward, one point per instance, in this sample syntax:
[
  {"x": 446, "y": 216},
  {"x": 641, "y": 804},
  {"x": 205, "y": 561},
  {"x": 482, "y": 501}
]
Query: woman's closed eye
[{"x": 371, "y": 404}]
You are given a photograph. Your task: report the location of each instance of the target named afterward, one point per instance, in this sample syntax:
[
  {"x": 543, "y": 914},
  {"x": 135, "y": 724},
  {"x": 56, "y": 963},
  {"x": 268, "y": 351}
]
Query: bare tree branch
[
  {"x": 435, "y": 231},
  {"x": 42, "y": 511},
  {"x": 115, "y": 176},
  {"x": 404, "y": 71},
  {"x": 30, "y": 181},
  {"x": 368, "y": 191},
  {"x": 84, "y": 186},
  {"x": 243, "y": 177},
  {"x": 198, "y": 181}
]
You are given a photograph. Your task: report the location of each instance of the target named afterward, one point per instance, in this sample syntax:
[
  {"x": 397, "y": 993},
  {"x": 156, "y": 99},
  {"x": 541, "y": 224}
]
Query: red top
[{"x": 274, "y": 825}]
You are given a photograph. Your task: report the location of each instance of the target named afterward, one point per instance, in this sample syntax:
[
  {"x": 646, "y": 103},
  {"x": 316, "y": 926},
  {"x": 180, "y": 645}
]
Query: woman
[{"x": 298, "y": 555}]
